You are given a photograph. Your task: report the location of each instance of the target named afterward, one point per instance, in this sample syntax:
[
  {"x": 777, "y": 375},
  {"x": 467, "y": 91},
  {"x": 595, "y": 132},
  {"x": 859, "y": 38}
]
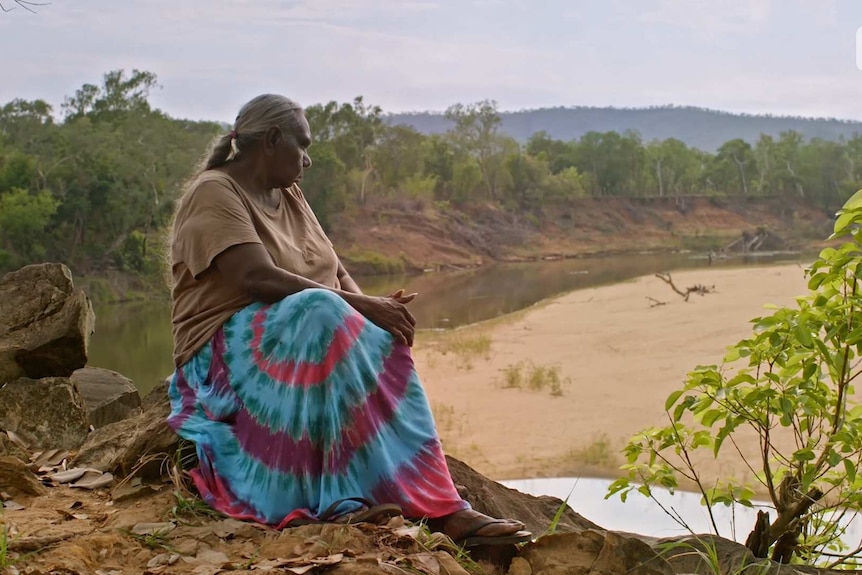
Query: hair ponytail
[{"x": 220, "y": 152}]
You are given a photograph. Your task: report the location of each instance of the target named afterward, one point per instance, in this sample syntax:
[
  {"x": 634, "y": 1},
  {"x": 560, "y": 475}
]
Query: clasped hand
[{"x": 389, "y": 313}]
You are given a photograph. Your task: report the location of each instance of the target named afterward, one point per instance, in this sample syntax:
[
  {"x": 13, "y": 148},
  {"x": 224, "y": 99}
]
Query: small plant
[
  {"x": 599, "y": 452},
  {"x": 535, "y": 377},
  {"x": 191, "y": 507},
  {"x": 513, "y": 376},
  {"x": 444, "y": 416},
  {"x": 792, "y": 384},
  {"x": 5, "y": 560},
  {"x": 432, "y": 542},
  {"x": 558, "y": 516},
  {"x": 710, "y": 562},
  {"x": 467, "y": 349},
  {"x": 156, "y": 540}
]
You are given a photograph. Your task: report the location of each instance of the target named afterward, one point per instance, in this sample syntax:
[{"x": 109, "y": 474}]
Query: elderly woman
[{"x": 298, "y": 390}]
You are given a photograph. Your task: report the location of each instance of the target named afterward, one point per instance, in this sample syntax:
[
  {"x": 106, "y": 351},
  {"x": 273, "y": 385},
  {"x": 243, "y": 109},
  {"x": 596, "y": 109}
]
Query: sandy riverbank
[{"x": 620, "y": 356}]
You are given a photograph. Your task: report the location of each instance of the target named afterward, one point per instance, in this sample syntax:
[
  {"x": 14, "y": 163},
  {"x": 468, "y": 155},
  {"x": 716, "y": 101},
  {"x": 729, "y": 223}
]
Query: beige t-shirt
[{"x": 217, "y": 214}]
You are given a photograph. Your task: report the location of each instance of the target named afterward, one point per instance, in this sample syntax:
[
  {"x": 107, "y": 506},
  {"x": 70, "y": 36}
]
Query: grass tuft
[
  {"x": 599, "y": 452},
  {"x": 535, "y": 378},
  {"x": 467, "y": 349}
]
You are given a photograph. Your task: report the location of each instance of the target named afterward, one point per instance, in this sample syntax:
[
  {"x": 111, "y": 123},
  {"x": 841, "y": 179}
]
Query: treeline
[
  {"x": 698, "y": 127},
  {"x": 95, "y": 187}
]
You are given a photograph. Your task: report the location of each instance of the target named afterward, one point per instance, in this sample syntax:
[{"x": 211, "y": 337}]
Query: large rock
[
  {"x": 118, "y": 447},
  {"x": 108, "y": 396},
  {"x": 47, "y": 413},
  {"x": 593, "y": 553},
  {"x": 45, "y": 324},
  {"x": 9, "y": 447},
  {"x": 17, "y": 479},
  {"x": 491, "y": 498}
]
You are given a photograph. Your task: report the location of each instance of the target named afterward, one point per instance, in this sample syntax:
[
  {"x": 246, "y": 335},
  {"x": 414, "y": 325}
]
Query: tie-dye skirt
[{"x": 297, "y": 405}]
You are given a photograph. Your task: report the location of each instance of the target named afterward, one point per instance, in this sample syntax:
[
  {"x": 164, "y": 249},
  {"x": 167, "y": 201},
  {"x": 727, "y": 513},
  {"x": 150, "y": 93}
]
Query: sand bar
[{"x": 621, "y": 356}]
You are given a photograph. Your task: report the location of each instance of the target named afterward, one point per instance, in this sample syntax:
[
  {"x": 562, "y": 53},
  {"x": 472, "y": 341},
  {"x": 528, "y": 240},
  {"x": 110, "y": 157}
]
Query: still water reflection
[
  {"x": 645, "y": 517},
  {"x": 135, "y": 338}
]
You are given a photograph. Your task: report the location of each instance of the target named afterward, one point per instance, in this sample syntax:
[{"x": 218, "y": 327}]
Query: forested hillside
[
  {"x": 697, "y": 127},
  {"x": 92, "y": 182}
]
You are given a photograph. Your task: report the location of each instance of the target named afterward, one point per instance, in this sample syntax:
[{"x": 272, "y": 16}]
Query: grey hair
[{"x": 252, "y": 122}]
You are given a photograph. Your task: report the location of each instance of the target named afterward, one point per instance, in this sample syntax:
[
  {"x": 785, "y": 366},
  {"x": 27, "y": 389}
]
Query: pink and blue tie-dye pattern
[{"x": 299, "y": 404}]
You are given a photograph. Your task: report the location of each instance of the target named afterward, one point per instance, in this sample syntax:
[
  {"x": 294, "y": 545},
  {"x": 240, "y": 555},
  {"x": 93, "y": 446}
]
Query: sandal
[
  {"x": 468, "y": 537},
  {"x": 471, "y": 540}
]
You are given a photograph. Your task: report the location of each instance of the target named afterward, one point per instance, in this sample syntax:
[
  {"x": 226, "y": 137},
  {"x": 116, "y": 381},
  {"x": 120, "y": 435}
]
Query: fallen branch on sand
[
  {"x": 654, "y": 302},
  {"x": 698, "y": 289}
]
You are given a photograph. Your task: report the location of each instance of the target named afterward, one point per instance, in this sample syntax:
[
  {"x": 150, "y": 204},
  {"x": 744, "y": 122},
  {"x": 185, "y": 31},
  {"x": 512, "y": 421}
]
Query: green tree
[
  {"x": 23, "y": 219},
  {"x": 673, "y": 167},
  {"x": 734, "y": 162},
  {"x": 559, "y": 155},
  {"x": 117, "y": 95},
  {"x": 614, "y": 161},
  {"x": 476, "y": 134}
]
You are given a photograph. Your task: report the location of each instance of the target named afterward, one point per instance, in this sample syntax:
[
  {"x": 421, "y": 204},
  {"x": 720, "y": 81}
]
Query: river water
[
  {"x": 135, "y": 338},
  {"x": 645, "y": 516}
]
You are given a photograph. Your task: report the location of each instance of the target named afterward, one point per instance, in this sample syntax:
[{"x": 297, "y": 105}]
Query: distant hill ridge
[{"x": 697, "y": 127}]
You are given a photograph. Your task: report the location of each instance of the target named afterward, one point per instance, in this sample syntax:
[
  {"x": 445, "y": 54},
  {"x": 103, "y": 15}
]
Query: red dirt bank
[{"x": 388, "y": 238}]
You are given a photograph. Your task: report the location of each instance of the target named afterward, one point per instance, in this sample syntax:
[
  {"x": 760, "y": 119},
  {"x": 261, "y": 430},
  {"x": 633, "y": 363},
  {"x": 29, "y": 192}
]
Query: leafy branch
[{"x": 791, "y": 383}]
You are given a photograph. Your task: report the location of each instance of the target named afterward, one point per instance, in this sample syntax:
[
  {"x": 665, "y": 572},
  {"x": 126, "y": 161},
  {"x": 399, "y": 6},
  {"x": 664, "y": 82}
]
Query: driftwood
[
  {"x": 698, "y": 289},
  {"x": 749, "y": 242},
  {"x": 654, "y": 302}
]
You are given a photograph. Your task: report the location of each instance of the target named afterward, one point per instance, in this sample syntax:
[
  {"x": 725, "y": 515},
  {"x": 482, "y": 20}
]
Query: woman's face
[{"x": 290, "y": 155}]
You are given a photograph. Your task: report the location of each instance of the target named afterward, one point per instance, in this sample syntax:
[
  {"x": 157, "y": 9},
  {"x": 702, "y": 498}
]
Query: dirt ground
[
  {"x": 605, "y": 359},
  {"x": 76, "y": 532}
]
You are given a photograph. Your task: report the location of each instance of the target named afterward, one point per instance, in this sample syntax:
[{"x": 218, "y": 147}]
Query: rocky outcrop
[
  {"x": 118, "y": 447},
  {"x": 47, "y": 396},
  {"x": 8, "y": 446},
  {"x": 592, "y": 552},
  {"x": 45, "y": 324},
  {"x": 108, "y": 395},
  {"x": 47, "y": 413},
  {"x": 17, "y": 479}
]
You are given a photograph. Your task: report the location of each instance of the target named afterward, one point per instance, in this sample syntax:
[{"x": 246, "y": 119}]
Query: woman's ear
[{"x": 271, "y": 139}]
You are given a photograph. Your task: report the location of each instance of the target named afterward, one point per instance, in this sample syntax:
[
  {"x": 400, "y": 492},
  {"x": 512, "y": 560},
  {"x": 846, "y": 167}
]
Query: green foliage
[
  {"x": 372, "y": 263},
  {"x": 114, "y": 166},
  {"x": 5, "y": 560},
  {"x": 789, "y": 387},
  {"x": 90, "y": 190},
  {"x": 23, "y": 217}
]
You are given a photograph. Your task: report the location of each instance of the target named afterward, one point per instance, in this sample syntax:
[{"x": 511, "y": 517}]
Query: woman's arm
[
  {"x": 347, "y": 282},
  {"x": 250, "y": 269}
]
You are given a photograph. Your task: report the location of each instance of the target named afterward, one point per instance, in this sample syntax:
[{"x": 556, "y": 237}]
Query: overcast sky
[{"x": 793, "y": 57}]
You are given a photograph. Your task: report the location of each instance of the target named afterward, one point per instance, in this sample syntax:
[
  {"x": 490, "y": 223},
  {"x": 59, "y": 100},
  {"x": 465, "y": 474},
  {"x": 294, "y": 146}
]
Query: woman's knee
[
  {"x": 315, "y": 307},
  {"x": 320, "y": 299}
]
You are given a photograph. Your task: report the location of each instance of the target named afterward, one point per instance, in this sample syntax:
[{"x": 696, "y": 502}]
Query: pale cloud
[
  {"x": 710, "y": 17},
  {"x": 793, "y": 56}
]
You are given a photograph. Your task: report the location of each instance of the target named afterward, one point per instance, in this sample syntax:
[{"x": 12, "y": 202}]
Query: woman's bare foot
[{"x": 468, "y": 523}]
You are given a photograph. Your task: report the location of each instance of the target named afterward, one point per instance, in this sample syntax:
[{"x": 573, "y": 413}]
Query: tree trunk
[
  {"x": 796, "y": 181},
  {"x": 369, "y": 168},
  {"x": 741, "y": 167}
]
